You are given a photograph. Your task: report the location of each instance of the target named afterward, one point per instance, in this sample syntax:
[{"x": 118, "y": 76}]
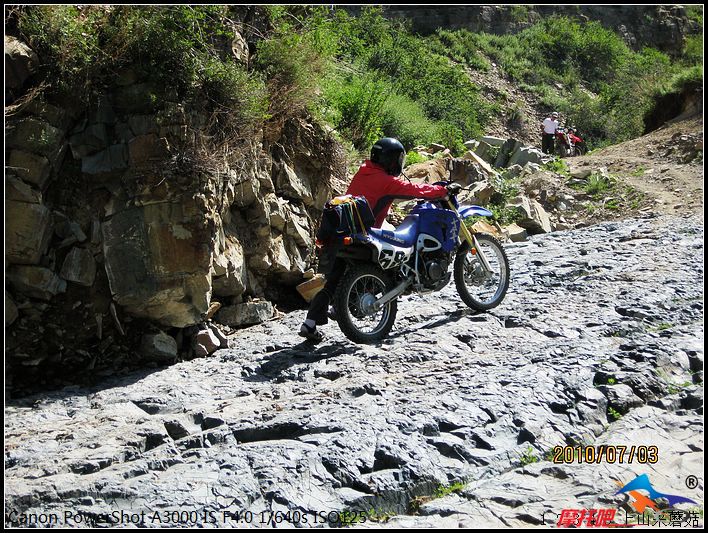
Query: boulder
[
  {"x": 79, "y": 267},
  {"x": 278, "y": 213},
  {"x": 516, "y": 233},
  {"x": 34, "y": 135},
  {"x": 482, "y": 226},
  {"x": 112, "y": 159},
  {"x": 434, "y": 148},
  {"x": 65, "y": 228},
  {"x": 581, "y": 173},
  {"x": 245, "y": 192},
  {"x": 473, "y": 156},
  {"x": 297, "y": 229},
  {"x": 18, "y": 191},
  {"x": 10, "y": 310},
  {"x": 103, "y": 112},
  {"x": 27, "y": 232},
  {"x": 472, "y": 144},
  {"x": 533, "y": 217},
  {"x": 34, "y": 281},
  {"x": 508, "y": 148},
  {"x": 32, "y": 168},
  {"x": 223, "y": 340},
  {"x": 527, "y": 154},
  {"x": 484, "y": 151},
  {"x": 159, "y": 347},
  {"x": 230, "y": 276},
  {"x": 298, "y": 257},
  {"x": 290, "y": 185},
  {"x": 20, "y": 63},
  {"x": 620, "y": 397},
  {"x": 493, "y": 141},
  {"x": 531, "y": 168},
  {"x": 428, "y": 171},
  {"x": 279, "y": 258},
  {"x": 92, "y": 139},
  {"x": 239, "y": 48},
  {"x": 245, "y": 314},
  {"x": 483, "y": 192},
  {"x": 206, "y": 342},
  {"x": 512, "y": 171}
]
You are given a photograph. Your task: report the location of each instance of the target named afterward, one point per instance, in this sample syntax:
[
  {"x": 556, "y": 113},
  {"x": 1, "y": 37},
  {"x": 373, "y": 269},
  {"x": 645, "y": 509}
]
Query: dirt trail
[{"x": 666, "y": 165}]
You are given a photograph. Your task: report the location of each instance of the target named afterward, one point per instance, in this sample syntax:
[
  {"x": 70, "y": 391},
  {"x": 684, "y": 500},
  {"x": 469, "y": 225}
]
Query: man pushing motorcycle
[{"x": 377, "y": 180}]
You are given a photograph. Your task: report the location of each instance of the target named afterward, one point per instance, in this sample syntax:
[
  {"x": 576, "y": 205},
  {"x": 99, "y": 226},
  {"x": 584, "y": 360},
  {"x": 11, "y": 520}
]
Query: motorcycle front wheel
[
  {"x": 479, "y": 288},
  {"x": 360, "y": 287}
]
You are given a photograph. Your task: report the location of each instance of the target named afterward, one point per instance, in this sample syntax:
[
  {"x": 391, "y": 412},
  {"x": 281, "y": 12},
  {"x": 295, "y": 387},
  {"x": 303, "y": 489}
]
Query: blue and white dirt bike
[{"x": 416, "y": 257}]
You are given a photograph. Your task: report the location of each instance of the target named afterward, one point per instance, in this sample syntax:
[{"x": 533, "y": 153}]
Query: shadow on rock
[
  {"x": 453, "y": 316},
  {"x": 301, "y": 354},
  {"x": 90, "y": 385}
]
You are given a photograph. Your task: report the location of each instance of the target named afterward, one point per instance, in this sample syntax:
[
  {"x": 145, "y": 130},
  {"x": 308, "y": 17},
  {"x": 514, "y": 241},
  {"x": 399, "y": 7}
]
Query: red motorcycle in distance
[{"x": 568, "y": 143}]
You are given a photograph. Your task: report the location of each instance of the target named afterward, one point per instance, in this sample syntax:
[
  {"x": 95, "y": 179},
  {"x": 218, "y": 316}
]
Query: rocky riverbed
[{"x": 449, "y": 422}]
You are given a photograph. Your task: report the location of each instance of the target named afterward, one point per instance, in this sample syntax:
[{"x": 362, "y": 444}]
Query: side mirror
[{"x": 450, "y": 164}]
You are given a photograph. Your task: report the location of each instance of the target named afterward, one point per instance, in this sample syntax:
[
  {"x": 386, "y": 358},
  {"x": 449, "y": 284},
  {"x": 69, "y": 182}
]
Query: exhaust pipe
[{"x": 392, "y": 294}]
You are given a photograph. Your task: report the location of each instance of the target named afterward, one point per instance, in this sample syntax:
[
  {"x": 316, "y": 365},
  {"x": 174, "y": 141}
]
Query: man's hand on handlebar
[{"x": 454, "y": 189}]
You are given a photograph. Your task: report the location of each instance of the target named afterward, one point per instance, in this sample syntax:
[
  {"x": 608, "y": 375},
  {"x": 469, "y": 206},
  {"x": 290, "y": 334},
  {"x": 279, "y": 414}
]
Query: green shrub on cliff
[
  {"x": 366, "y": 75},
  {"x": 181, "y": 50}
]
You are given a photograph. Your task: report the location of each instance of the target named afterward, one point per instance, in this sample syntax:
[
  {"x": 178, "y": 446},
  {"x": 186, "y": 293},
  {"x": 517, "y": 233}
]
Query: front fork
[{"x": 471, "y": 240}]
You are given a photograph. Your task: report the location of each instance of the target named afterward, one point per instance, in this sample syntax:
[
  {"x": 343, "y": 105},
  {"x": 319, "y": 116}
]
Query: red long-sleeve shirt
[{"x": 381, "y": 189}]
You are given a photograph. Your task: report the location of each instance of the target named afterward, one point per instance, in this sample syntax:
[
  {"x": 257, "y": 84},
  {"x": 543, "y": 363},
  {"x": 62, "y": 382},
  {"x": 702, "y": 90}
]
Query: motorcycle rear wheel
[
  {"x": 580, "y": 149},
  {"x": 482, "y": 290},
  {"x": 362, "y": 285}
]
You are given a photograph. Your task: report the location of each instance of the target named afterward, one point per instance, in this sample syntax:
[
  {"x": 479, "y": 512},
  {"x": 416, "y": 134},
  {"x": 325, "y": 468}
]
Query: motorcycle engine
[{"x": 436, "y": 268}]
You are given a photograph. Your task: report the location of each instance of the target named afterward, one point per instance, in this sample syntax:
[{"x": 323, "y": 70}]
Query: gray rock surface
[
  {"x": 272, "y": 424},
  {"x": 35, "y": 281},
  {"x": 10, "y": 310},
  {"x": 20, "y": 63},
  {"x": 27, "y": 232},
  {"x": 79, "y": 267},
  {"x": 244, "y": 314},
  {"x": 159, "y": 347}
]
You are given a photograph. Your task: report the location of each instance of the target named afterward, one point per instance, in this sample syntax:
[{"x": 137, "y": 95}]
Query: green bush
[
  {"x": 354, "y": 106},
  {"x": 177, "y": 48},
  {"x": 292, "y": 65},
  {"x": 404, "y": 119},
  {"x": 461, "y": 46},
  {"x": 693, "y": 50},
  {"x": 413, "y": 158}
]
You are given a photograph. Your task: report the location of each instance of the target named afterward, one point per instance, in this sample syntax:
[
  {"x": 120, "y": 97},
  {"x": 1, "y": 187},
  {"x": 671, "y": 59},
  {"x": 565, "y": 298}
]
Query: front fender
[{"x": 474, "y": 211}]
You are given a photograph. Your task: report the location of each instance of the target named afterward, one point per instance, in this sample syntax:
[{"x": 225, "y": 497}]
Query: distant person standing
[{"x": 549, "y": 127}]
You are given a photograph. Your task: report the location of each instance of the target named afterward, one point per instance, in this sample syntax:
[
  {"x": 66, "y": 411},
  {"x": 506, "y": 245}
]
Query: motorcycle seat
[{"x": 404, "y": 235}]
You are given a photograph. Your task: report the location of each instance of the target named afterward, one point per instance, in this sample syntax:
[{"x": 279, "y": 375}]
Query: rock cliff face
[
  {"x": 662, "y": 27},
  {"x": 129, "y": 210}
]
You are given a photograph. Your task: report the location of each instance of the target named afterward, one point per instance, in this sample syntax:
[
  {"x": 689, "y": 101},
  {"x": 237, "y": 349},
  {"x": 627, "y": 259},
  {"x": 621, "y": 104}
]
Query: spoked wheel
[
  {"x": 581, "y": 149},
  {"x": 361, "y": 286},
  {"x": 479, "y": 288}
]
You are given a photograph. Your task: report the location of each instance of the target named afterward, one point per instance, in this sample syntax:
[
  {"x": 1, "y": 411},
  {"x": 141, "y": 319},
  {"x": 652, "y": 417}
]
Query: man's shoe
[{"x": 311, "y": 334}]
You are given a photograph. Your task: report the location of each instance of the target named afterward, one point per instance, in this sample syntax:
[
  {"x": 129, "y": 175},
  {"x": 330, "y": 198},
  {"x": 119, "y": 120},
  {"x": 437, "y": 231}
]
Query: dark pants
[
  {"x": 547, "y": 143},
  {"x": 320, "y": 303}
]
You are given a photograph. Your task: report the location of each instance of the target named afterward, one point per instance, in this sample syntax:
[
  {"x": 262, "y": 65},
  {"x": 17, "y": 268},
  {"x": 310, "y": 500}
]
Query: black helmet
[{"x": 389, "y": 153}]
